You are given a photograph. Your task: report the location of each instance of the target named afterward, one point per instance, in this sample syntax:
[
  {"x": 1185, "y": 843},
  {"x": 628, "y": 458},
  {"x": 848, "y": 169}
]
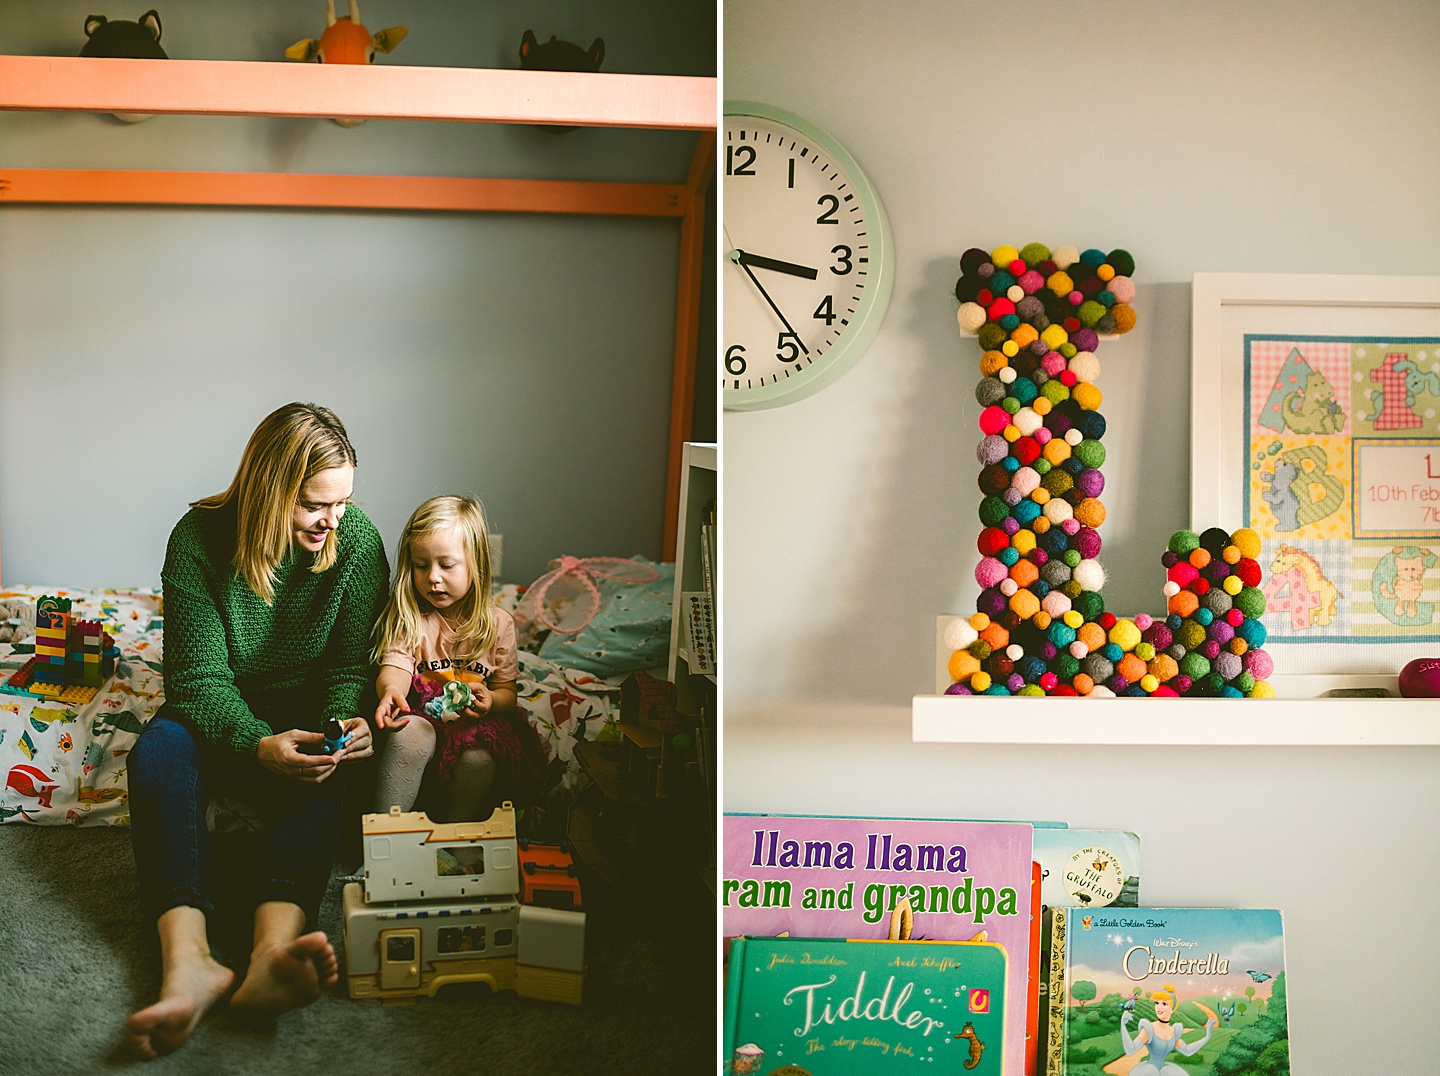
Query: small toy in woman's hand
[
  {"x": 450, "y": 703},
  {"x": 335, "y": 736}
]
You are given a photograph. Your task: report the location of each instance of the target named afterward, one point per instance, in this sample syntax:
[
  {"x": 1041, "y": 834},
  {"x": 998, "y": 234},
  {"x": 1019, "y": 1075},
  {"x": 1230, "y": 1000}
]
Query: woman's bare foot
[
  {"x": 190, "y": 987},
  {"x": 287, "y": 975}
]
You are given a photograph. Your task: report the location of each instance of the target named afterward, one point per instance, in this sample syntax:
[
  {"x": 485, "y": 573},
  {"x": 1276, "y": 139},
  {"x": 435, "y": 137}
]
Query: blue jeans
[{"x": 173, "y": 773}]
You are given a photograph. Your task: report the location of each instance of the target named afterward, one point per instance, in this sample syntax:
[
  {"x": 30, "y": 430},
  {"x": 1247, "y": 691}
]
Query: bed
[{"x": 64, "y": 762}]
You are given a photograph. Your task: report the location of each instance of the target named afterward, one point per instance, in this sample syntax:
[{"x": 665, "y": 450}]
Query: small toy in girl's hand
[
  {"x": 450, "y": 703},
  {"x": 1420, "y": 679}
]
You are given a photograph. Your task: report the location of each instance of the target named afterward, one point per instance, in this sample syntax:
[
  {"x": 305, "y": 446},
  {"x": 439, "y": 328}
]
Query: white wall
[
  {"x": 524, "y": 359},
  {"x": 1224, "y": 136},
  {"x": 1221, "y": 137}
]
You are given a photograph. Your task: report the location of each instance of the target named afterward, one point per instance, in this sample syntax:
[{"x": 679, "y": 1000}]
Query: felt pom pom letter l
[{"x": 1040, "y": 626}]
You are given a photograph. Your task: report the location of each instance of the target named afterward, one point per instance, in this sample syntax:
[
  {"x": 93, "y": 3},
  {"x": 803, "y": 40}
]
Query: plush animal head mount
[
  {"x": 557, "y": 55},
  {"x": 138, "y": 40},
  {"x": 346, "y": 41}
]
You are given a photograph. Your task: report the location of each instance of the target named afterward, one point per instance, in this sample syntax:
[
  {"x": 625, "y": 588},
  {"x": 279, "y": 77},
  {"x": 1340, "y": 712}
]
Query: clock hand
[
  {"x": 773, "y": 307},
  {"x": 746, "y": 258}
]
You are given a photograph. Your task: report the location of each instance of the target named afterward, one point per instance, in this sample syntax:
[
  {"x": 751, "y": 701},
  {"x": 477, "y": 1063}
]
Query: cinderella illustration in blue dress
[{"x": 1160, "y": 1037}]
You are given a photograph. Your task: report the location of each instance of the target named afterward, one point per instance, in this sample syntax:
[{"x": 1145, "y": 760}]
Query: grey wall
[
  {"x": 1222, "y": 136},
  {"x": 524, "y": 359},
  {"x": 1289, "y": 137}
]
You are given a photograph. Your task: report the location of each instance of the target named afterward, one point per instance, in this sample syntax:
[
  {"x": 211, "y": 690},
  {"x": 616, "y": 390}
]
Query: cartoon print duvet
[{"x": 64, "y": 764}]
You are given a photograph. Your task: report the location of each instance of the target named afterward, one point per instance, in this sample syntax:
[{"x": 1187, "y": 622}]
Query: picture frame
[{"x": 1315, "y": 420}]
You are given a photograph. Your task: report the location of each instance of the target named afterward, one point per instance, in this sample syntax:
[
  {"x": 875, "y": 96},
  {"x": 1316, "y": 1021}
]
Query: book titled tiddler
[
  {"x": 828, "y": 1007},
  {"x": 844, "y": 877}
]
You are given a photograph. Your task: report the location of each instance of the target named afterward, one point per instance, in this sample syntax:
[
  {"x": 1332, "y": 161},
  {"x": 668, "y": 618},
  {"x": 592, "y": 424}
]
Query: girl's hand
[
  {"x": 360, "y": 745},
  {"x": 481, "y": 701},
  {"x": 390, "y": 714},
  {"x": 281, "y": 754}
]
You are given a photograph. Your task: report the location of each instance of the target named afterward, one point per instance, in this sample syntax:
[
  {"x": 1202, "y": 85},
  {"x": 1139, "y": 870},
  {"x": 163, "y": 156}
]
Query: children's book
[
  {"x": 832, "y": 1007},
  {"x": 1088, "y": 868},
  {"x": 845, "y": 877},
  {"x": 1193, "y": 990}
]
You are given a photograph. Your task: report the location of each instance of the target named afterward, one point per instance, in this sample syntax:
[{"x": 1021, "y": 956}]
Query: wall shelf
[
  {"x": 1299, "y": 715},
  {"x": 1177, "y": 722},
  {"x": 342, "y": 91}
]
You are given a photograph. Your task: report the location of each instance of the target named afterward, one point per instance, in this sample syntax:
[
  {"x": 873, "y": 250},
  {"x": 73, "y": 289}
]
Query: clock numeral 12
[{"x": 737, "y": 164}]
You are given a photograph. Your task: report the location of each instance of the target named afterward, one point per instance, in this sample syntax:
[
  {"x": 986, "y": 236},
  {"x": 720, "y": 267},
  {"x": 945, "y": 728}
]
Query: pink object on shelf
[{"x": 1420, "y": 679}]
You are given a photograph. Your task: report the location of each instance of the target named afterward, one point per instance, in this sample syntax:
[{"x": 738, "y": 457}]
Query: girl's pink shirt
[{"x": 433, "y": 659}]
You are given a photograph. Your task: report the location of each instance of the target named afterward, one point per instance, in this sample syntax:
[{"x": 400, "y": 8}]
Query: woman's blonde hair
[
  {"x": 475, "y": 628},
  {"x": 290, "y": 446},
  {"x": 1167, "y": 993}
]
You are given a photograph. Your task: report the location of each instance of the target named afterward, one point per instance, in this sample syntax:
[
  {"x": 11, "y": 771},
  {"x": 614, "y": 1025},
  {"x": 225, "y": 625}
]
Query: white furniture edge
[
  {"x": 1298, "y": 716},
  {"x": 692, "y": 454}
]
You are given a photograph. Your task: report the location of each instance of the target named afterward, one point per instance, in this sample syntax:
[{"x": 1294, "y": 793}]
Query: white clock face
[{"x": 803, "y": 245}]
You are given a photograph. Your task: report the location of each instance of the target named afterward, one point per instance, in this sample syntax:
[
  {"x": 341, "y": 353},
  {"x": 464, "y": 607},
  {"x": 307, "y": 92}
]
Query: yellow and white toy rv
[{"x": 440, "y": 904}]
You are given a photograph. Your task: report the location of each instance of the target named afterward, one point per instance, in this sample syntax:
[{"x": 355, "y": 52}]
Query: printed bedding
[{"x": 65, "y": 764}]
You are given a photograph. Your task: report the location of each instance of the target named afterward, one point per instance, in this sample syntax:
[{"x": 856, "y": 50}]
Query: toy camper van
[{"x": 441, "y": 904}]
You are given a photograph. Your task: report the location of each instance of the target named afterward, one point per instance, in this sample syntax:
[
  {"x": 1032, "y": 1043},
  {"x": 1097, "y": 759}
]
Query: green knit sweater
[{"x": 226, "y": 650}]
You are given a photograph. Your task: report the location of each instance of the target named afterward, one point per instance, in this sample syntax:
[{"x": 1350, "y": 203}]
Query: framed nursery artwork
[{"x": 1315, "y": 421}]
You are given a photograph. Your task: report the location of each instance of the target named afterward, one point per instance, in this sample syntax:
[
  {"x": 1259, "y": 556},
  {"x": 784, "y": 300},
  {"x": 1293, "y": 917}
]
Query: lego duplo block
[{"x": 76, "y": 693}]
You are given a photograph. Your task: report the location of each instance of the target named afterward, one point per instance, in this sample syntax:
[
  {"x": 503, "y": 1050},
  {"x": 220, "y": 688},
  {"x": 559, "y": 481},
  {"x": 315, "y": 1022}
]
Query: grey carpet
[{"x": 76, "y": 959}]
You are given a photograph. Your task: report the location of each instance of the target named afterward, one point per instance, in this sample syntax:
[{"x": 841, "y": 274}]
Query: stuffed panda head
[{"x": 138, "y": 40}]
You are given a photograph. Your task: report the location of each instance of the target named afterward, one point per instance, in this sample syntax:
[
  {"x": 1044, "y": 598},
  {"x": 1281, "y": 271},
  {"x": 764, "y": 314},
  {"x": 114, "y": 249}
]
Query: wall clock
[{"x": 808, "y": 269}]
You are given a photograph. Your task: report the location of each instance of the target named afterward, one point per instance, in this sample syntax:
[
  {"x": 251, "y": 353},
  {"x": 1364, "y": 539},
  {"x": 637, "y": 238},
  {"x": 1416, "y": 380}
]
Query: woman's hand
[
  {"x": 281, "y": 754},
  {"x": 390, "y": 714},
  {"x": 360, "y": 745}
]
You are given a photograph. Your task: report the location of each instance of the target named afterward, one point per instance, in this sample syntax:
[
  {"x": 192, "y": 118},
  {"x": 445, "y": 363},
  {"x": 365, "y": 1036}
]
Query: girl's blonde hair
[
  {"x": 1165, "y": 993},
  {"x": 290, "y": 446},
  {"x": 475, "y": 628}
]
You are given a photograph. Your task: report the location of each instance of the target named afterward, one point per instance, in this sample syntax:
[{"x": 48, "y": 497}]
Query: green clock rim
[{"x": 858, "y": 335}]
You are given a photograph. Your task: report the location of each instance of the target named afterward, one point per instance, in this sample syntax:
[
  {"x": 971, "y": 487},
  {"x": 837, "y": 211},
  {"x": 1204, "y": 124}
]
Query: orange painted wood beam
[
  {"x": 378, "y": 92},
  {"x": 32, "y": 186},
  {"x": 687, "y": 330}
]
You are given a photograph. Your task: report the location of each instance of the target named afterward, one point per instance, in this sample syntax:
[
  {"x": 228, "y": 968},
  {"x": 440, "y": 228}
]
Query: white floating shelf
[
  {"x": 1300, "y": 715},
  {"x": 985, "y": 719}
]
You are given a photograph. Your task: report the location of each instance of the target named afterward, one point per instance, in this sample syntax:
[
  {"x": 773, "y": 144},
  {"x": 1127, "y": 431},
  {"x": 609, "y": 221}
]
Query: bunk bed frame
[{"x": 469, "y": 95}]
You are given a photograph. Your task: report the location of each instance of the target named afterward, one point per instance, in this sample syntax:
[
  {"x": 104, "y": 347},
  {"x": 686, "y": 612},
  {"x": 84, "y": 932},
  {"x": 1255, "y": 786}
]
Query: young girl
[{"x": 440, "y": 625}]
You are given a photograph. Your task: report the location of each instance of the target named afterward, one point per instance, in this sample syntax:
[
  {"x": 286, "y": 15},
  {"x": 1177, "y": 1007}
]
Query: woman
[{"x": 271, "y": 591}]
